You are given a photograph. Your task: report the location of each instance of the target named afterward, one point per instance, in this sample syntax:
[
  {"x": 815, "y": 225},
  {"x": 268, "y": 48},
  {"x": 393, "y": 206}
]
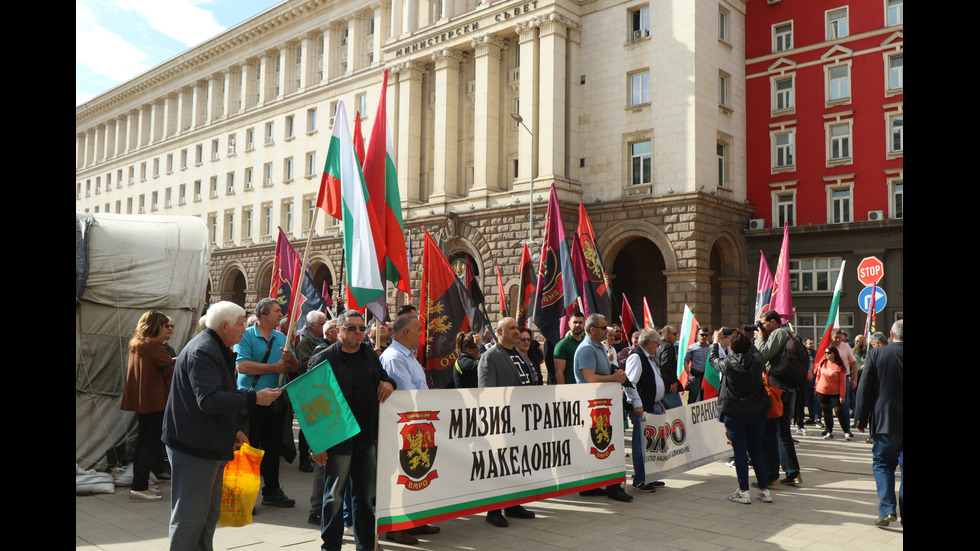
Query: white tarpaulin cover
[{"x": 124, "y": 266}]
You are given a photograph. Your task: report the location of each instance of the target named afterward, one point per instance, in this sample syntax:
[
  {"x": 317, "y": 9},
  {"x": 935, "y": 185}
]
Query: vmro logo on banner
[
  {"x": 602, "y": 429},
  {"x": 418, "y": 451},
  {"x": 657, "y": 437}
]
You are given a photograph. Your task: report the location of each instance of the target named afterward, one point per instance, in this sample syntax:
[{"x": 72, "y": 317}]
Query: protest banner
[
  {"x": 684, "y": 438},
  {"x": 444, "y": 454}
]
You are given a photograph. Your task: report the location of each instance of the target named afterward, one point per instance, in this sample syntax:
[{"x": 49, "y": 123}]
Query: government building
[{"x": 636, "y": 109}]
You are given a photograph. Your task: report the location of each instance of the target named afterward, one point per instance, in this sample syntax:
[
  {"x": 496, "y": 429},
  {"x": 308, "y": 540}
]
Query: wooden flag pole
[{"x": 298, "y": 286}]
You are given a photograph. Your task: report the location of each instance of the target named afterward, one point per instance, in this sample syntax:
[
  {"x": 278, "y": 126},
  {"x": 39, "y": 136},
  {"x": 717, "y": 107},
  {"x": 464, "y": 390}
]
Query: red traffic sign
[{"x": 870, "y": 271}]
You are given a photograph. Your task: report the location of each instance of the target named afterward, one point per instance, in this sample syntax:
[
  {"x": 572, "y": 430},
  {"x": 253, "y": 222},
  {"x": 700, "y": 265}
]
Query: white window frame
[
  {"x": 645, "y": 160},
  {"x": 639, "y": 89},
  {"x": 837, "y": 23},
  {"x": 896, "y": 199},
  {"x": 840, "y": 205},
  {"x": 782, "y": 40},
  {"x": 814, "y": 275},
  {"x": 786, "y": 96},
  {"x": 839, "y": 142},
  {"x": 783, "y": 154},
  {"x": 781, "y": 206},
  {"x": 894, "y": 12},
  {"x": 724, "y": 90},
  {"x": 838, "y": 88},
  {"x": 894, "y": 72},
  {"x": 724, "y": 24},
  {"x": 639, "y": 23}
]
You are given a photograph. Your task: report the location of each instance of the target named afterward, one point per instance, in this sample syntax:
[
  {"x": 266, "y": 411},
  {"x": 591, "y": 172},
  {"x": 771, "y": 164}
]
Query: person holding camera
[
  {"x": 771, "y": 337},
  {"x": 742, "y": 406}
]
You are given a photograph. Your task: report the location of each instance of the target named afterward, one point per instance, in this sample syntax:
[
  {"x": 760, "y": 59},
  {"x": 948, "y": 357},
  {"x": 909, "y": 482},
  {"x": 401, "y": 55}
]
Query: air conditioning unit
[
  {"x": 231, "y": 190},
  {"x": 215, "y": 157},
  {"x": 640, "y": 33},
  {"x": 875, "y": 215},
  {"x": 757, "y": 224}
]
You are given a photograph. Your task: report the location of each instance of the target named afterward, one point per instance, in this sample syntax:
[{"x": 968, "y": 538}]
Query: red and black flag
[
  {"x": 597, "y": 285},
  {"x": 554, "y": 294},
  {"x": 526, "y": 291},
  {"x": 285, "y": 274},
  {"x": 445, "y": 309}
]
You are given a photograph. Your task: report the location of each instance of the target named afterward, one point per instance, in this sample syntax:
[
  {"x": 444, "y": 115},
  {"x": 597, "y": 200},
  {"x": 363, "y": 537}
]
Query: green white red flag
[
  {"x": 832, "y": 318},
  {"x": 342, "y": 172},
  {"x": 689, "y": 328}
]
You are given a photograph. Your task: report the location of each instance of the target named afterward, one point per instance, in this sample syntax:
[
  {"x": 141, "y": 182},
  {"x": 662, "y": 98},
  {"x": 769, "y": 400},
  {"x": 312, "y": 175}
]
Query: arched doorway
[
  {"x": 234, "y": 286},
  {"x": 638, "y": 272}
]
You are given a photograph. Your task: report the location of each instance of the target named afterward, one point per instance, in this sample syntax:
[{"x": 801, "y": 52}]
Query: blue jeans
[
  {"x": 888, "y": 451},
  {"x": 358, "y": 471},
  {"x": 777, "y": 441},
  {"x": 747, "y": 442},
  {"x": 671, "y": 400},
  {"x": 195, "y": 501},
  {"x": 639, "y": 447}
]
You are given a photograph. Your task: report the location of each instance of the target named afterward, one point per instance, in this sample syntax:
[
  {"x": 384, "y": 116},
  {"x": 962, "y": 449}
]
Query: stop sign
[{"x": 870, "y": 271}]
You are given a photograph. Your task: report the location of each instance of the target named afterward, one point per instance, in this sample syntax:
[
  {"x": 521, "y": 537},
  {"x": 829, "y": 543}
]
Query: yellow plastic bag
[{"x": 240, "y": 487}]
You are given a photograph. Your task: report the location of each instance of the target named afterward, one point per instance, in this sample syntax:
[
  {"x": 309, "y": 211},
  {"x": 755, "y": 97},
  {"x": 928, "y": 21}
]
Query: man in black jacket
[
  {"x": 365, "y": 384},
  {"x": 200, "y": 424},
  {"x": 880, "y": 399},
  {"x": 666, "y": 359}
]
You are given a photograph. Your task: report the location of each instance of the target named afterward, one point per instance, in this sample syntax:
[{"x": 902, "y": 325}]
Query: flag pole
[{"x": 299, "y": 285}]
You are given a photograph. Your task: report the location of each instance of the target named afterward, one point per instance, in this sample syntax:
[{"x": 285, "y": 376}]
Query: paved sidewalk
[{"x": 834, "y": 509}]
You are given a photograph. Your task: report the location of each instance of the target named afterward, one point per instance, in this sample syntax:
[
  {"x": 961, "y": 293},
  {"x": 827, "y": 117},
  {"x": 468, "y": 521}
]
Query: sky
[{"x": 116, "y": 40}]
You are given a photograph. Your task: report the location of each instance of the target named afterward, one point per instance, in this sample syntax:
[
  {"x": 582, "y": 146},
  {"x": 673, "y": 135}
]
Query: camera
[{"x": 751, "y": 327}]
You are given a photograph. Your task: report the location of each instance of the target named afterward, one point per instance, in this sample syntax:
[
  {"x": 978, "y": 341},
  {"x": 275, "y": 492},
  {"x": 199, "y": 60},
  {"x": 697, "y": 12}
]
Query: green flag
[{"x": 321, "y": 409}]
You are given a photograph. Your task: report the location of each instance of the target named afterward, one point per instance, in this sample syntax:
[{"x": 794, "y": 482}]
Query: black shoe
[
  {"x": 518, "y": 512},
  {"x": 278, "y": 499},
  {"x": 497, "y": 519},
  {"x": 645, "y": 487},
  {"x": 314, "y": 519},
  {"x": 593, "y": 492},
  {"x": 658, "y": 483},
  {"x": 619, "y": 495}
]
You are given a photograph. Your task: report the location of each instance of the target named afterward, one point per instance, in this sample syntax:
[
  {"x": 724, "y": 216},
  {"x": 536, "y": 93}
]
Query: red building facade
[{"x": 825, "y": 146}]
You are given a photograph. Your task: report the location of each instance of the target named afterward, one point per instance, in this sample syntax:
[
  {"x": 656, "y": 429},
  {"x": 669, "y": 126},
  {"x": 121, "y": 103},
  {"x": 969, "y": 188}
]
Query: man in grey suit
[
  {"x": 880, "y": 398},
  {"x": 505, "y": 365}
]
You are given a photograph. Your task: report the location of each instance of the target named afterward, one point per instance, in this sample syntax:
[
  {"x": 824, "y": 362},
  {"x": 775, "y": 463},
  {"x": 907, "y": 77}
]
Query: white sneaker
[
  {"x": 738, "y": 496},
  {"x": 764, "y": 495}
]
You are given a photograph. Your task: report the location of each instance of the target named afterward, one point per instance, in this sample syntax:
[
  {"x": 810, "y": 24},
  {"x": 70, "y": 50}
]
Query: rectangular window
[
  {"x": 897, "y": 144},
  {"x": 640, "y": 88},
  {"x": 783, "y": 94},
  {"x": 840, "y": 141},
  {"x": 839, "y": 82},
  {"x": 782, "y": 37},
  {"x": 723, "y": 17},
  {"x": 840, "y": 206},
  {"x": 311, "y": 120},
  {"x": 640, "y": 163},
  {"x": 814, "y": 274},
  {"x": 896, "y": 72},
  {"x": 898, "y": 203},
  {"x": 639, "y": 24},
  {"x": 289, "y": 127},
  {"x": 837, "y": 24},
  {"x": 723, "y": 89},
  {"x": 785, "y": 210},
  {"x": 247, "y": 223},
  {"x": 722, "y": 159},
  {"x": 784, "y": 149},
  {"x": 896, "y": 12}
]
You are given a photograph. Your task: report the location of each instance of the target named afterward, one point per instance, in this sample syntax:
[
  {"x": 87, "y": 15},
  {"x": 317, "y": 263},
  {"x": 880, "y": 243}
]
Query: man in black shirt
[{"x": 365, "y": 384}]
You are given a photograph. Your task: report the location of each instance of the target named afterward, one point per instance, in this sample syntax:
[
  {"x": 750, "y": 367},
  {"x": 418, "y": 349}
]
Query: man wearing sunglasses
[{"x": 365, "y": 384}]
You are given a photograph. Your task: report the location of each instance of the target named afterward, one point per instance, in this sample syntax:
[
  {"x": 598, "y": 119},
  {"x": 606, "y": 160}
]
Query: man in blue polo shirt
[
  {"x": 592, "y": 365},
  {"x": 263, "y": 359}
]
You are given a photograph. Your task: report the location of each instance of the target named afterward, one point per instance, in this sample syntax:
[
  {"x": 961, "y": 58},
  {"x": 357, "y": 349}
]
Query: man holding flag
[{"x": 364, "y": 384}]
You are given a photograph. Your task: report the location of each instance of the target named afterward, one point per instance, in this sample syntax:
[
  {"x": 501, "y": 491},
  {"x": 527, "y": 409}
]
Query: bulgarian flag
[
  {"x": 689, "y": 328},
  {"x": 343, "y": 185},
  {"x": 385, "y": 199},
  {"x": 832, "y": 319}
]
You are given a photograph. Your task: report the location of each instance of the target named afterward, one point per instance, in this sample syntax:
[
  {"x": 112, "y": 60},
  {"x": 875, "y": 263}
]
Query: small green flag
[{"x": 321, "y": 409}]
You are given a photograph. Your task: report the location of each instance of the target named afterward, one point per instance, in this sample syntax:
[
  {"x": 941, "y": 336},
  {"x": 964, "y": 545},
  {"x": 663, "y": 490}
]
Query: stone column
[
  {"x": 552, "y": 101},
  {"x": 228, "y": 100},
  {"x": 446, "y": 125},
  {"x": 307, "y": 43},
  {"x": 121, "y": 123},
  {"x": 410, "y": 128},
  {"x": 156, "y": 121},
  {"x": 486, "y": 116},
  {"x": 528, "y": 95},
  {"x": 355, "y": 41},
  {"x": 281, "y": 78},
  {"x": 395, "y": 25},
  {"x": 133, "y": 135}
]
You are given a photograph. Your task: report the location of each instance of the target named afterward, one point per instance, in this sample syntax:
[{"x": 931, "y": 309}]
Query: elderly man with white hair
[{"x": 200, "y": 425}]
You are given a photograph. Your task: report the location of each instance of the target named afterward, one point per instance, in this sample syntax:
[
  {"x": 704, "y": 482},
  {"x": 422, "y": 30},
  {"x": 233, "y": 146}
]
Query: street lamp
[{"x": 530, "y": 194}]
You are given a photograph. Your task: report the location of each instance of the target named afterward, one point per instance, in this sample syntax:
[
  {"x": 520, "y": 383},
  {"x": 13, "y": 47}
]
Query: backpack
[{"x": 788, "y": 369}]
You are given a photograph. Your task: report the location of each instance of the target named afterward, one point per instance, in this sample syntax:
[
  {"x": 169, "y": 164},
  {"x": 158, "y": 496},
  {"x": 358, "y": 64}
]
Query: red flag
[
  {"x": 763, "y": 289},
  {"x": 500, "y": 293},
  {"x": 358, "y": 139},
  {"x": 582, "y": 277},
  {"x": 647, "y": 318},
  {"x": 526, "y": 291},
  {"x": 445, "y": 309},
  {"x": 285, "y": 274},
  {"x": 782, "y": 298},
  {"x": 382, "y": 183},
  {"x": 597, "y": 285},
  {"x": 626, "y": 317},
  {"x": 554, "y": 298}
]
